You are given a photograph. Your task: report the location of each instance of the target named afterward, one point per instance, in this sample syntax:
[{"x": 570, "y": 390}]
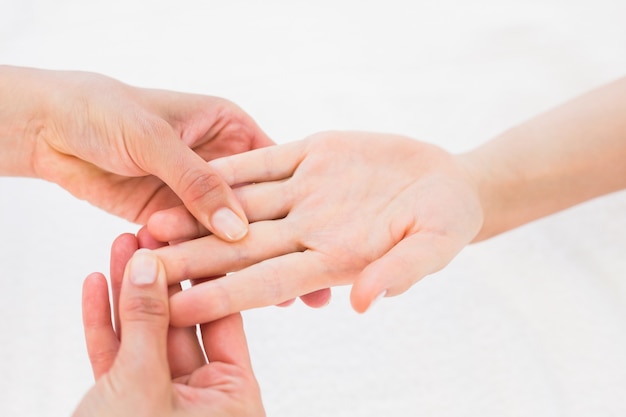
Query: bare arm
[
  {"x": 568, "y": 155},
  {"x": 21, "y": 118}
]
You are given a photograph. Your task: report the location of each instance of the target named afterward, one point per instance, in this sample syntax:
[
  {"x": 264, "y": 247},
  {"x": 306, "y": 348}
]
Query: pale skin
[
  {"x": 130, "y": 151},
  {"x": 144, "y": 367},
  {"x": 380, "y": 211}
]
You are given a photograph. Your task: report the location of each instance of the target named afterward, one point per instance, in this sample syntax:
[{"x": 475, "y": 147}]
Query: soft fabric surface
[{"x": 531, "y": 323}]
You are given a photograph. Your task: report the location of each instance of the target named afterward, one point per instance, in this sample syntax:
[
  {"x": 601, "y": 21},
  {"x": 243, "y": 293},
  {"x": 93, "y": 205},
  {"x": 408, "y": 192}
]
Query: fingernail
[
  {"x": 377, "y": 299},
  {"x": 143, "y": 267},
  {"x": 227, "y": 222}
]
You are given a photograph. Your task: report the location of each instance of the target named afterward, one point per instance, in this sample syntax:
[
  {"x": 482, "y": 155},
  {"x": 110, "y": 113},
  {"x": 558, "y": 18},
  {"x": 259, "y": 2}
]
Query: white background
[{"x": 532, "y": 323}]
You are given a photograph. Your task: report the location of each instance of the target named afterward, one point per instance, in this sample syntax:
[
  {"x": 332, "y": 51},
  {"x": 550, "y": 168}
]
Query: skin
[
  {"x": 130, "y": 151},
  {"x": 145, "y": 349},
  {"x": 380, "y": 212},
  {"x": 322, "y": 221}
]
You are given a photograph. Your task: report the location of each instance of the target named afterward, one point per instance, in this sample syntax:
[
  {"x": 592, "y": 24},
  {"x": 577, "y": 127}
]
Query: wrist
[
  {"x": 22, "y": 119},
  {"x": 514, "y": 184},
  {"x": 491, "y": 182}
]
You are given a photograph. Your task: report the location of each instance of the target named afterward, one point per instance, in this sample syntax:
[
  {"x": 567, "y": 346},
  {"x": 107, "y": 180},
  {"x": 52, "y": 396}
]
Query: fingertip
[
  {"x": 287, "y": 303},
  {"x": 211, "y": 200},
  {"x": 124, "y": 242},
  {"x": 145, "y": 268},
  {"x": 359, "y": 304},
  {"x": 93, "y": 279},
  {"x": 228, "y": 225},
  {"x": 317, "y": 299},
  {"x": 143, "y": 305},
  {"x": 175, "y": 224},
  {"x": 122, "y": 249},
  {"x": 158, "y": 225},
  {"x": 93, "y": 287},
  {"x": 364, "y": 296},
  {"x": 146, "y": 240}
]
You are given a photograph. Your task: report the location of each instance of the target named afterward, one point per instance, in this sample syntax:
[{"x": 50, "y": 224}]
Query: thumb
[
  {"x": 203, "y": 191},
  {"x": 395, "y": 272},
  {"x": 144, "y": 317}
]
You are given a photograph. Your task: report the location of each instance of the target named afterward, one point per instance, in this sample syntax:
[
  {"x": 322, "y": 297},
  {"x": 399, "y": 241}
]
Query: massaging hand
[
  {"x": 128, "y": 150},
  {"x": 376, "y": 211},
  {"x": 134, "y": 376}
]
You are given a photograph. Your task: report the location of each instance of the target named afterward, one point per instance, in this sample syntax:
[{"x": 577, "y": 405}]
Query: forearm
[
  {"x": 566, "y": 156},
  {"x": 22, "y": 110}
]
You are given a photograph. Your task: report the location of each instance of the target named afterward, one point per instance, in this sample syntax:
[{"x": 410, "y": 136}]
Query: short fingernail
[
  {"x": 143, "y": 267},
  {"x": 377, "y": 299},
  {"x": 227, "y": 222}
]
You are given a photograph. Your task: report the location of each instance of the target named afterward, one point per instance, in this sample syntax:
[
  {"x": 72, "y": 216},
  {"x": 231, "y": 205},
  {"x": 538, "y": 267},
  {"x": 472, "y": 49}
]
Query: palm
[
  {"x": 379, "y": 211},
  {"x": 385, "y": 194},
  {"x": 212, "y": 391}
]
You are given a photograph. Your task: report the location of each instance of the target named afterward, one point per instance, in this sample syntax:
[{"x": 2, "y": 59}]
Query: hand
[
  {"x": 133, "y": 151},
  {"x": 134, "y": 377},
  {"x": 377, "y": 211}
]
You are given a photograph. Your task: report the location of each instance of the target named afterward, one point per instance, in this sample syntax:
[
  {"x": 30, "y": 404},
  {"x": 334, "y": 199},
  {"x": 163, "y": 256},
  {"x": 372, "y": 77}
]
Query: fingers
[
  {"x": 175, "y": 224},
  {"x": 183, "y": 350},
  {"x": 261, "y": 165},
  {"x": 224, "y": 341},
  {"x": 201, "y": 119},
  {"x": 267, "y": 167},
  {"x": 178, "y": 224},
  {"x": 212, "y": 257},
  {"x": 147, "y": 241},
  {"x": 317, "y": 299},
  {"x": 287, "y": 303},
  {"x": 122, "y": 250},
  {"x": 102, "y": 342},
  {"x": 198, "y": 185},
  {"x": 267, "y": 283},
  {"x": 406, "y": 263},
  {"x": 144, "y": 315}
]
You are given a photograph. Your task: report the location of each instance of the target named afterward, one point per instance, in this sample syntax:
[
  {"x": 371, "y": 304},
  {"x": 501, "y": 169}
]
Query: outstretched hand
[
  {"x": 373, "y": 210},
  {"x": 134, "y": 376}
]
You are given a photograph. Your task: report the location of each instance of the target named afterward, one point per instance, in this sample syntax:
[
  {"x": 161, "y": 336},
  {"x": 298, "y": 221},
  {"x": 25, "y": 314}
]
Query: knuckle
[
  {"x": 144, "y": 308},
  {"x": 200, "y": 185}
]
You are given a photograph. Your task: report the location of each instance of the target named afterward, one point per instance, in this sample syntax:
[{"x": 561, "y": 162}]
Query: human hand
[
  {"x": 374, "y": 210},
  {"x": 134, "y": 376},
  {"x": 132, "y": 151}
]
